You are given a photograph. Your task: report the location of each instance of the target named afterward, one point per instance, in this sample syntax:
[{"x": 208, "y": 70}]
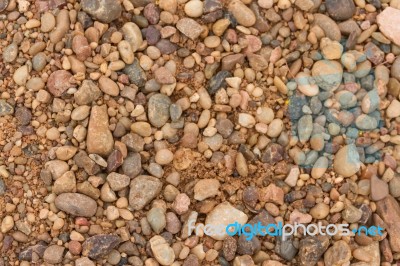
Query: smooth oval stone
[
  {"x": 347, "y": 161},
  {"x": 340, "y": 9},
  {"x": 133, "y": 35},
  {"x": 366, "y": 122},
  {"x": 102, "y": 10},
  {"x": 327, "y": 74},
  {"x": 158, "y": 109},
  {"x": 76, "y": 204}
]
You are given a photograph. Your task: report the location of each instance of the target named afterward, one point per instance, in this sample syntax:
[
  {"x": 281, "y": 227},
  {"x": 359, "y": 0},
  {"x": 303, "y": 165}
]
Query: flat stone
[
  {"x": 76, "y": 204},
  {"x": 388, "y": 21},
  {"x": 102, "y": 10},
  {"x": 389, "y": 210},
  {"x": 379, "y": 188},
  {"x": 143, "y": 189},
  {"x": 223, "y": 215},
  {"x": 311, "y": 249},
  {"x": 135, "y": 73},
  {"x": 59, "y": 82},
  {"x": 338, "y": 254},
  {"x": 5, "y": 108},
  {"x": 189, "y": 27},
  {"x": 98, "y": 246},
  {"x": 53, "y": 254},
  {"x": 87, "y": 93},
  {"x": 206, "y": 188},
  {"x": 117, "y": 181}
]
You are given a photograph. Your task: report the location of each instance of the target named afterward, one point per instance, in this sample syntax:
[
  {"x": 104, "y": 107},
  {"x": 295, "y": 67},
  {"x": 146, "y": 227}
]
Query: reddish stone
[
  {"x": 59, "y": 82},
  {"x": 74, "y": 247}
]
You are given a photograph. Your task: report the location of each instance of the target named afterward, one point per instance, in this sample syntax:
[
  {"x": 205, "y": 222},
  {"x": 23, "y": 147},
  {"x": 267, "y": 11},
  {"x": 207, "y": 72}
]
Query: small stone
[
  {"x": 108, "y": 86},
  {"x": 66, "y": 183},
  {"x": 327, "y": 74},
  {"x": 48, "y": 22},
  {"x": 338, "y": 254},
  {"x": 189, "y": 27},
  {"x": 218, "y": 81},
  {"x": 319, "y": 211},
  {"x": 76, "y": 204},
  {"x": 246, "y": 120},
  {"x": 7, "y": 224},
  {"x": 223, "y": 215},
  {"x": 163, "y": 253},
  {"x": 206, "y": 188},
  {"x": 340, "y": 9},
  {"x": 164, "y": 156},
  {"x": 272, "y": 193},
  {"x": 163, "y": 76},
  {"x": 99, "y": 139},
  {"x": 132, "y": 35},
  {"x": 331, "y": 49},
  {"x": 53, "y": 254},
  {"x": 117, "y": 181},
  {"x": 97, "y": 246},
  {"x": 81, "y": 47},
  {"x": 389, "y": 210},
  {"x": 293, "y": 176},
  {"x": 156, "y": 219},
  {"x": 305, "y": 128},
  {"x": 59, "y": 82},
  {"x": 379, "y": 188},
  {"x": 194, "y": 8},
  {"x": 132, "y": 165},
  {"x": 347, "y": 161},
  {"x": 20, "y": 76},
  {"x": 181, "y": 203},
  {"x": 242, "y": 13},
  {"x": 329, "y": 26},
  {"x": 152, "y": 13},
  {"x": 393, "y": 109},
  {"x": 5, "y": 108},
  {"x": 135, "y": 73},
  {"x": 158, "y": 109},
  {"x": 304, "y": 5},
  {"x": 351, "y": 214},
  {"x": 144, "y": 188},
  {"x": 248, "y": 246},
  {"x": 366, "y": 122},
  {"x": 388, "y": 20},
  {"x": 126, "y": 52},
  {"x": 10, "y": 53},
  {"x": 87, "y": 93},
  {"x": 102, "y": 10},
  {"x": 311, "y": 249}
]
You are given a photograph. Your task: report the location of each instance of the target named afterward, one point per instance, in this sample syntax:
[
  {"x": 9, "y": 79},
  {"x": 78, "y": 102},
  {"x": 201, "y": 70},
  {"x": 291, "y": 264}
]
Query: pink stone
[
  {"x": 299, "y": 217},
  {"x": 389, "y": 21},
  {"x": 181, "y": 203},
  {"x": 253, "y": 44},
  {"x": 272, "y": 193}
]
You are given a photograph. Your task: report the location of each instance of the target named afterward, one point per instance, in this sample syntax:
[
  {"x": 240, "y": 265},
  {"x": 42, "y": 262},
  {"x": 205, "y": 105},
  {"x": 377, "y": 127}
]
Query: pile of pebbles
[{"x": 125, "y": 121}]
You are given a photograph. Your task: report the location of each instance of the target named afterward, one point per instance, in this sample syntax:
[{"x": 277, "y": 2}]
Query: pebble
[
  {"x": 388, "y": 210},
  {"x": 329, "y": 26},
  {"x": 246, "y": 120},
  {"x": 189, "y": 27},
  {"x": 53, "y": 254},
  {"x": 163, "y": 253},
  {"x": 5, "y": 108},
  {"x": 340, "y": 9},
  {"x": 99, "y": 139},
  {"x": 47, "y": 22},
  {"x": 319, "y": 211},
  {"x": 102, "y": 10},
  {"x": 305, "y": 128},
  {"x": 327, "y": 74},
  {"x": 132, "y": 35},
  {"x": 10, "y": 53},
  {"x": 7, "y": 224},
  {"x": 305, "y": 84},
  {"x": 272, "y": 193},
  {"x": 164, "y": 156},
  {"x": 20, "y": 76},
  {"x": 98, "y": 246},
  {"x": 206, "y": 188},
  {"x": 59, "y": 82},
  {"x": 158, "y": 109},
  {"x": 312, "y": 248},
  {"x": 338, "y": 254},
  {"x": 351, "y": 214},
  {"x": 194, "y": 8},
  {"x": 181, "y": 203},
  {"x": 66, "y": 183},
  {"x": 117, "y": 181},
  {"x": 331, "y": 49},
  {"x": 347, "y": 161},
  {"x": 81, "y": 47},
  {"x": 387, "y": 21},
  {"x": 143, "y": 189},
  {"x": 242, "y": 13},
  {"x": 224, "y": 214},
  {"x": 76, "y": 204},
  {"x": 393, "y": 109},
  {"x": 126, "y": 52},
  {"x": 157, "y": 220},
  {"x": 87, "y": 93},
  {"x": 379, "y": 188}
]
